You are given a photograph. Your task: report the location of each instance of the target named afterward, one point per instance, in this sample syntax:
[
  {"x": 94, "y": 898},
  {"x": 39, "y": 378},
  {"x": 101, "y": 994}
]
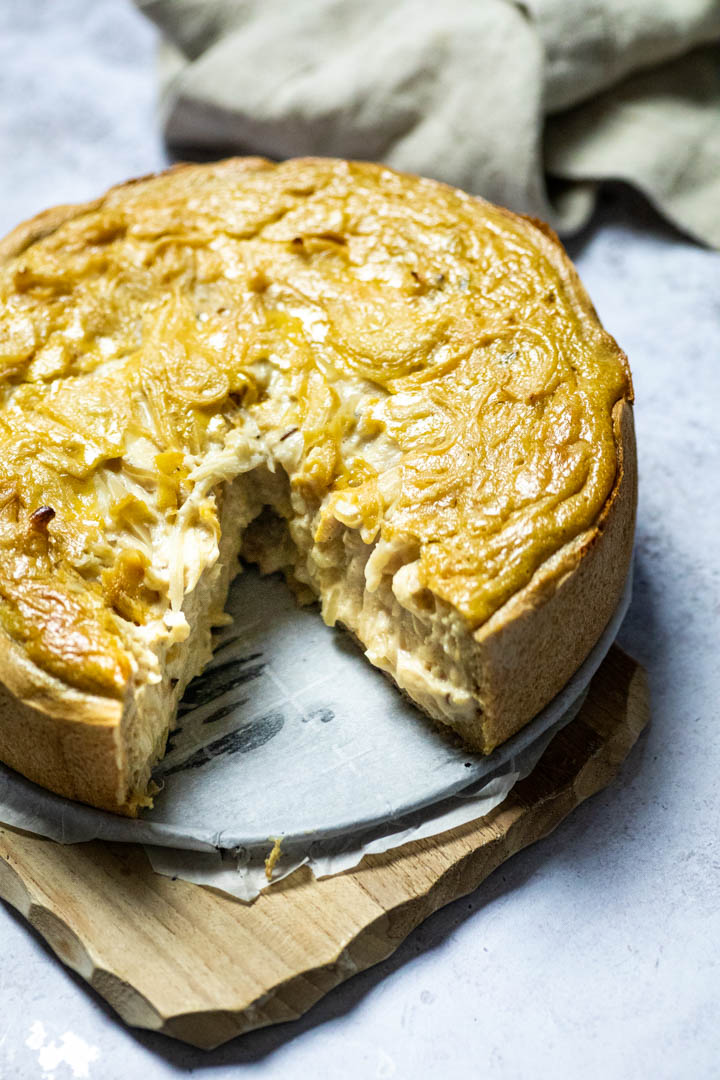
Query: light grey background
[{"x": 594, "y": 953}]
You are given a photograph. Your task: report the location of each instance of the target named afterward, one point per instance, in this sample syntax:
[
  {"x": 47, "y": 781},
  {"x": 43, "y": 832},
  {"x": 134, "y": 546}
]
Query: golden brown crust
[
  {"x": 47, "y": 221},
  {"x": 43, "y": 224},
  {"x": 63, "y": 739},
  {"x": 570, "y": 275},
  {"x": 536, "y": 642}
]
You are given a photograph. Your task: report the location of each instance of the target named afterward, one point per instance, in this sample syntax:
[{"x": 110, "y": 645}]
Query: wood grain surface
[{"x": 203, "y": 967}]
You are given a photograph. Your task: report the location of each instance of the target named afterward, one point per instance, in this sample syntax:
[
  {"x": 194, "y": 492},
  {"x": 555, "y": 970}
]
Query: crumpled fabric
[{"x": 531, "y": 105}]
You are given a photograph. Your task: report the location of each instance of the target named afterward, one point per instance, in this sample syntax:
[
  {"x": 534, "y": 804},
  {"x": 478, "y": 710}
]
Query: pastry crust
[
  {"x": 505, "y": 662},
  {"x": 538, "y": 640},
  {"x": 67, "y": 741}
]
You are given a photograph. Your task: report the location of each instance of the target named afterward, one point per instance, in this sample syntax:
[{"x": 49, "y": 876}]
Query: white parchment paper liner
[
  {"x": 290, "y": 734},
  {"x": 242, "y": 872}
]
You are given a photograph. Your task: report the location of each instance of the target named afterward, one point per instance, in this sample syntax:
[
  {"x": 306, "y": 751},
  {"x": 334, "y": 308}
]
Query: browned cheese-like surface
[{"x": 147, "y": 315}]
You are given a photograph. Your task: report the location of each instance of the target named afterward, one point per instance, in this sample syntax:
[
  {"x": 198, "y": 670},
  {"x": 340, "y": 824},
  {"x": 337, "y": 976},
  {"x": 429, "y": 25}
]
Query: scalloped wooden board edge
[{"x": 220, "y": 968}]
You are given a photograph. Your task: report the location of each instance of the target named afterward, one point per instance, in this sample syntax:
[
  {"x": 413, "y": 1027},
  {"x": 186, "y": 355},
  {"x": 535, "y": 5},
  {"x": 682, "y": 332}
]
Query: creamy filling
[
  {"x": 367, "y": 585},
  {"x": 172, "y": 651},
  {"x": 373, "y": 590}
]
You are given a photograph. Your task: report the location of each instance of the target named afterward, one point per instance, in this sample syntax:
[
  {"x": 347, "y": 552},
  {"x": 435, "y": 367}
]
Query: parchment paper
[{"x": 291, "y": 734}]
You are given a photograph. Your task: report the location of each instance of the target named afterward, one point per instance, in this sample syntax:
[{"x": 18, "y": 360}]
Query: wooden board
[{"x": 203, "y": 967}]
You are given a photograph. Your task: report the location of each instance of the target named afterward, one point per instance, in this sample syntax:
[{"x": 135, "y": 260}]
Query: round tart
[{"x": 395, "y": 393}]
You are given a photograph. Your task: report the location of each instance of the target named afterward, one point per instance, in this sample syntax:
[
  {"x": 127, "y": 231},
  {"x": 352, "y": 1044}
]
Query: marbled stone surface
[{"x": 594, "y": 953}]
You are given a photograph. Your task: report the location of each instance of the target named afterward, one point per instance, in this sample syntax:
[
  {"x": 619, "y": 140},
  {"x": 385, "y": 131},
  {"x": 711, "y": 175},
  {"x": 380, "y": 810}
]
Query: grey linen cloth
[{"x": 529, "y": 104}]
